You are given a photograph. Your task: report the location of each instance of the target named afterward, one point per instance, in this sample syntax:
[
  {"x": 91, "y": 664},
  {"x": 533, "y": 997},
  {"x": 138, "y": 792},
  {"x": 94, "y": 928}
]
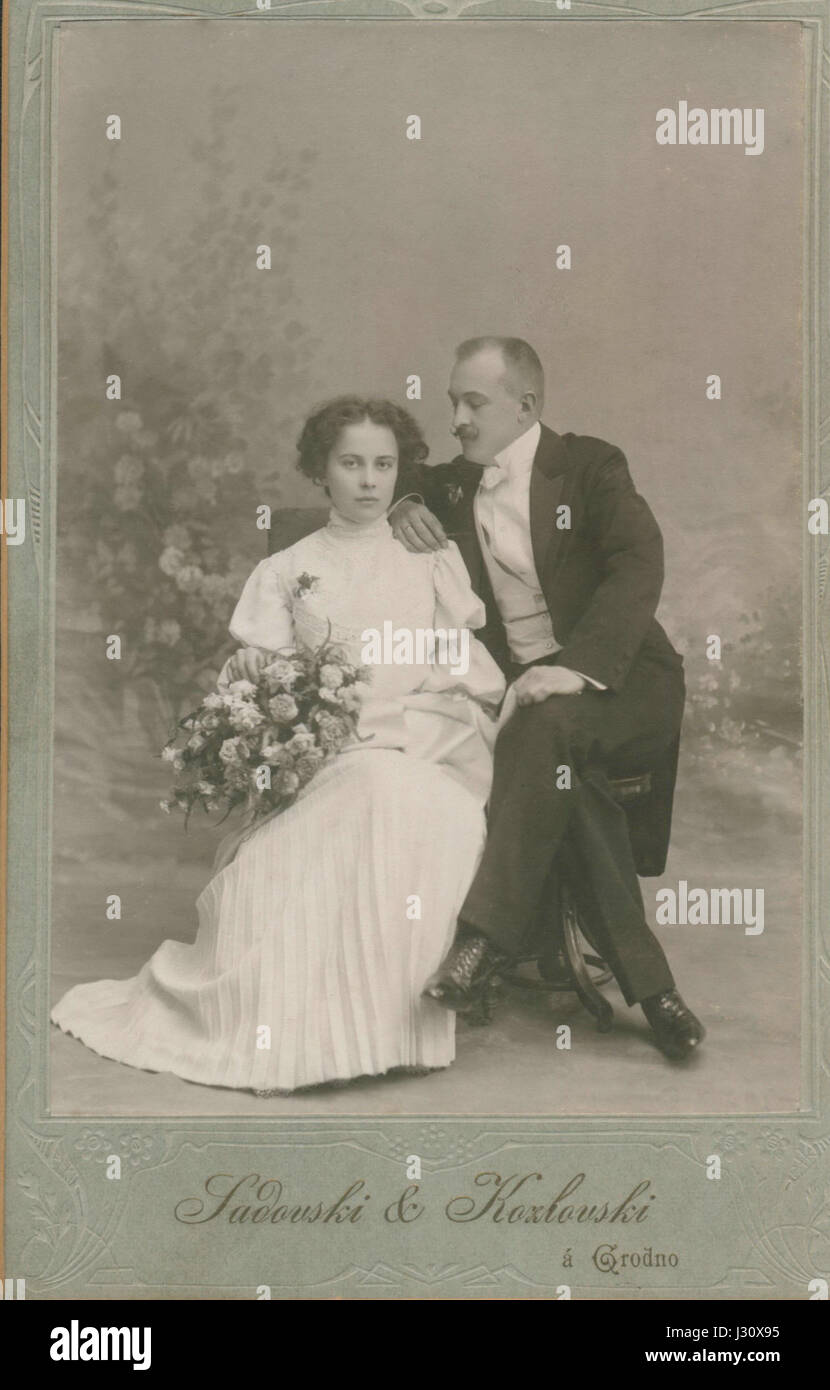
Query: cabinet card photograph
[{"x": 414, "y": 548}]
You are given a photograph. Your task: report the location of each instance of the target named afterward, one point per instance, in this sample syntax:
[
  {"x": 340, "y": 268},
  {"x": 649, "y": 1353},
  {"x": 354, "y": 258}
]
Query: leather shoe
[
  {"x": 460, "y": 981},
  {"x": 677, "y": 1031}
]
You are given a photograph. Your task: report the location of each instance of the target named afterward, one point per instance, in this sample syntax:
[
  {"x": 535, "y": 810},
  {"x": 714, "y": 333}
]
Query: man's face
[{"x": 486, "y": 417}]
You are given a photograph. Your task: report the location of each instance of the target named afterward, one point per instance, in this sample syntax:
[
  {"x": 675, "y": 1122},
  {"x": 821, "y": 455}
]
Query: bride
[{"x": 319, "y": 928}]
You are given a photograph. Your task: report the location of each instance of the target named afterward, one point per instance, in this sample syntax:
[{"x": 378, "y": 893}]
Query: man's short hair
[{"x": 524, "y": 370}]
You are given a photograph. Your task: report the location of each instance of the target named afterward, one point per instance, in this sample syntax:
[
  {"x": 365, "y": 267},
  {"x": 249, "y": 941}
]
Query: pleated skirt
[{"x": 314, "y": 943}]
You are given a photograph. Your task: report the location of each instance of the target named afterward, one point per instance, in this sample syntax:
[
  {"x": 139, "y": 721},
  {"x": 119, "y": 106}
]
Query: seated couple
[{"x": 307, "y": 923}]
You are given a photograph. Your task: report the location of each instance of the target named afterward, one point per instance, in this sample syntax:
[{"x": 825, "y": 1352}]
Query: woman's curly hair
[{"x": 322, "y": 429}]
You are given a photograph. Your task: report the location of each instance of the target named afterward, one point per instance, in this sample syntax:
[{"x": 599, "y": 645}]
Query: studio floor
[{"x": 746, "y": 989}]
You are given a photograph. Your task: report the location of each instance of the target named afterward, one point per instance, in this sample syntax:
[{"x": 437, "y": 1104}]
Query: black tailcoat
[
  {"x": 598, "y": 553},
  {"x": 600, "y": 564}
]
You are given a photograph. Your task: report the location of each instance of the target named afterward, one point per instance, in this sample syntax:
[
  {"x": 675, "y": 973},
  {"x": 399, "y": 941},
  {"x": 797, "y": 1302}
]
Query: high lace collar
[{"x": 343, "y": 527}]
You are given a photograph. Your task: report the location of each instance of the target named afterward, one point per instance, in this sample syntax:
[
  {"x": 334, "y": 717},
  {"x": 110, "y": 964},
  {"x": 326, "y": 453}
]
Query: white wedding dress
[{"x": 318, "y": 931}]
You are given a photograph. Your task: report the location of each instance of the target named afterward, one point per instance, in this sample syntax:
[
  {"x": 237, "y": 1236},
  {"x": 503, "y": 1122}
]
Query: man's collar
[
  {"x": 551, "y": 458},
  {"x": 519, "y": 455}
]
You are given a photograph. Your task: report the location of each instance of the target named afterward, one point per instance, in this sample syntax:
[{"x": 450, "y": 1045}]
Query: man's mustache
[{"x": 464, "y": 435}]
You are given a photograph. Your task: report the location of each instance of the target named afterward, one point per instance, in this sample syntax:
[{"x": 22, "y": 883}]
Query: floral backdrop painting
[
  {"x": 157, "y": 491},
  {"x": 383, "y": 255}
]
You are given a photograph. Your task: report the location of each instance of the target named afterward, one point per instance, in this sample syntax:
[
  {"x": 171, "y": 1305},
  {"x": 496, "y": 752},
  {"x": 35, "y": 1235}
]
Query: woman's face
[{"x": 361, "y": 471}]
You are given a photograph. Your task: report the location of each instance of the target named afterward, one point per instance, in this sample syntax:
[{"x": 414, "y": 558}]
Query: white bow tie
[{"x": 492, "y": 475}]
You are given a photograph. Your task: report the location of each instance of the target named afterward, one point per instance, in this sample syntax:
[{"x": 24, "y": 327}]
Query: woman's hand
[{"x": 246, "y": 664}]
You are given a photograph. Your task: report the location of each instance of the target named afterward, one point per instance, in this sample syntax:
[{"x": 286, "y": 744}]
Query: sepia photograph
[
  {"x": 414, "y": 650},
  {"x": 428, "y": 570}
]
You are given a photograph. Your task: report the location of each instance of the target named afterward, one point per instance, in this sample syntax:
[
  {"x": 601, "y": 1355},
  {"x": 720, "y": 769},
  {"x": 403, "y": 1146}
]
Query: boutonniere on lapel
[
  {"x": 306, "y": 584},
  {"x": 456, "y": 480}
]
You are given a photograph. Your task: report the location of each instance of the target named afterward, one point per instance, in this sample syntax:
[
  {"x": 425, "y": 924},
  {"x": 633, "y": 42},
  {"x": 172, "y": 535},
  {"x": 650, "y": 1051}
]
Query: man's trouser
[{"x": 530, "y": 816}]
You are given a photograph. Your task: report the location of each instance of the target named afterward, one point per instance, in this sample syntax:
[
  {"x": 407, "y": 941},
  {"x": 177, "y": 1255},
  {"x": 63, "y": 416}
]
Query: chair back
[{"x": 292, "y": 524}]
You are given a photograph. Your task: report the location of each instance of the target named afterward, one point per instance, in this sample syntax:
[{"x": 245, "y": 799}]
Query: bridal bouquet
[{"x": 257, "y": 745}]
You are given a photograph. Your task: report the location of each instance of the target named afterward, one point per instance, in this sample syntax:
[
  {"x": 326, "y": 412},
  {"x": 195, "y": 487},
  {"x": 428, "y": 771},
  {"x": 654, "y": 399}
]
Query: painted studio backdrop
[{"x": 685, "y": 261}]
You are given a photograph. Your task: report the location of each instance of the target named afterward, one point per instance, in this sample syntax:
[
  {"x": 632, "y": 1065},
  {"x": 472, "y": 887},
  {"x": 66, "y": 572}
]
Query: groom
[{"x": 568, "y": 560}]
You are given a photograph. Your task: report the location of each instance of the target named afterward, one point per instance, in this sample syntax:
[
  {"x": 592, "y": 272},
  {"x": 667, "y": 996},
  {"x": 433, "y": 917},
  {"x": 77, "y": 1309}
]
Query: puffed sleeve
[
  {"x": 262, "y": 616},
  {"x": 457, "y": 610},
  {"x": 456, "y": 603}
]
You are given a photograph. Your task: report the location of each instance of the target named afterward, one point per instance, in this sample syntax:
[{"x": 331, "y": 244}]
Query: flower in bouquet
[
  {"x": 257, "y": 745},
  {"x": 283, "y": 673},
  {"x": 330, "y": 730},
  {"x": 331, "y": 676},
  {"x": 283, "y": 708},
  {"x": 231, "y": 750},
  {"x": 287, "y": 783},
  {"x": 302, "y": 740}
]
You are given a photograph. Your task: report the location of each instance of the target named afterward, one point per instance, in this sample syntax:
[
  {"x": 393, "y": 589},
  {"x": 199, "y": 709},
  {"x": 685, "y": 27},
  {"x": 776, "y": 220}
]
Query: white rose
[
  {"x": 302, "y": 741},
  {"x": 247, "y": 718},
  {"x": 285, "y": 672},
  {"x": 331, "y": 676}
]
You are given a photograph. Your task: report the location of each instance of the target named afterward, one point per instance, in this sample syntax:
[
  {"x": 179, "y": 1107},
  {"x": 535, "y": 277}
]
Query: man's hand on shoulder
[
  {"x": 539, "y": 682},
  {"x": 415, "y": 526}
]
